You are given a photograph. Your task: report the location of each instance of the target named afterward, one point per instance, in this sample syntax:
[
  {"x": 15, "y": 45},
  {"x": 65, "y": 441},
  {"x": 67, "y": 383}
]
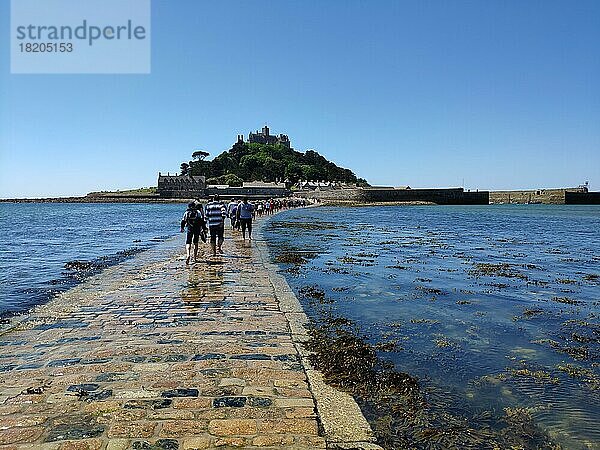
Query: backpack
[{"x": 191, "y": 218}]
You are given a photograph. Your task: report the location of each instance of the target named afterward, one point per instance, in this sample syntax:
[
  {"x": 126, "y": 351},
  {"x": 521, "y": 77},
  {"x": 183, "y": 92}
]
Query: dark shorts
[
  {"x": 216, "y": 231},
  {"x": 192, "y": 236},
  {"x": 246, "y": 223}
]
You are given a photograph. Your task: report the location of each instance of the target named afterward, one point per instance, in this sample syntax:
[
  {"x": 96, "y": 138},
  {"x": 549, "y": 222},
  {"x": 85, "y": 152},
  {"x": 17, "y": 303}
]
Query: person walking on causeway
[
  {"x": 193, "y": 222},
  {"x": 215, "y": 216}
]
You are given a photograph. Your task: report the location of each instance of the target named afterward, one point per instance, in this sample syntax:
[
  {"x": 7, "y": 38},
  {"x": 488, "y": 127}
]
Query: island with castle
[
  {"x": 289, "y": 174},
  {"x": 265, "y": 165}
]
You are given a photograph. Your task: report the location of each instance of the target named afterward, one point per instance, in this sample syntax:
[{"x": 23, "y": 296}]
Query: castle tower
[{"x": 265, "y": 130}]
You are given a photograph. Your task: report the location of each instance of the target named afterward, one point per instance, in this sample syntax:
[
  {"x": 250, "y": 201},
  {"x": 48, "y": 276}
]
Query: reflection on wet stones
[
  {"x": 97, "y": 396},
  {"x": 117, "y": 376},
  {"x": 229, "y": 402},
  {"x": 261, "y": 402},
  {"x": 148, "y": 404},
  {"x": 75, "y": 427},
  {"x": 182, "y": 392}
]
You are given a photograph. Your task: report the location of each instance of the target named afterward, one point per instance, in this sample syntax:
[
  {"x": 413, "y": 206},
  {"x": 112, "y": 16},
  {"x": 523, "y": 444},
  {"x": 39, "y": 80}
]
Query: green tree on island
[{"x": 266, "y": 162}]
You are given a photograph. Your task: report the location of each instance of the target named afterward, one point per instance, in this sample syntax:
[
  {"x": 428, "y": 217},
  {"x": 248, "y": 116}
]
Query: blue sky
[{"x": 500, "y": 94}]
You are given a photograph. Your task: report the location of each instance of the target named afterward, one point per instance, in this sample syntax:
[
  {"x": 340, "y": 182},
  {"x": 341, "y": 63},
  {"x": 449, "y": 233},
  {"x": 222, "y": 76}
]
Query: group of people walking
[{"x": 200, "y": 221}]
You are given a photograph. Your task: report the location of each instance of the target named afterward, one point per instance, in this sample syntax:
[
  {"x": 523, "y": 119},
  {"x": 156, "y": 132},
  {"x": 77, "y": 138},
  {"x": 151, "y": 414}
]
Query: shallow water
[
  {"x": 490, "y": 307},
  {"x": 48, "y": 247}
]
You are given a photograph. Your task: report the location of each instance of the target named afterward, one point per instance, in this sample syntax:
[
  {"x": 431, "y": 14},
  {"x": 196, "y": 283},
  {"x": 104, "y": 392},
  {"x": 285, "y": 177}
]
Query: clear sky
[{"x": 500, "y": 94}]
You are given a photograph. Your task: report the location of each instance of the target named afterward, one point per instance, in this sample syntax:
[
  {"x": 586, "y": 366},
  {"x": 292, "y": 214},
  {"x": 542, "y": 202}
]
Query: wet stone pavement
[{"x": 152, "y": 355}]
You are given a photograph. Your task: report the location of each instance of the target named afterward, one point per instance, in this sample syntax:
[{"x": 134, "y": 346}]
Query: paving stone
[
  {"x": 295, "y": 413},
  {"x": 180, "y": 393},
  {"x": 252, "y": 356},
  {"x": 21, "y": 421},
  {"x": 230, "y": 442},
  {"x": 294, "y": 402},
  {"x": 232, "y": 427},
  {"x": 258, "y": 390},
  {"x": 170, "y": 414},
  {"x": 86, "y": 387},
  {"x": 160, "y": 444},
  {"x": 284, "y": 426},
  {"x": 117, "y": 444},
  {"x": 232, "y": 382},
  {"x": 86, "y": 444},
  {"x": 196, "y": 443},
  {"x": 36, "y": 446},
  {"x": 102, "y": 407},
  {"x": 235, "y": 402},
  {"x": 176, "y": 358},
  {"x": 208, "y": 356},
  {"x": 192, "y": 403},
  {"x": 148, "y": 404},
  {"x": 132, "y": 429},
  {"x": 125, "y": 415},
  {"x": 19, "y": 435},
  {"x": 75, "y": 429},
  {"x": 64, "y": 362},
  {"x": 98, "y": 396},
  {"x": 272, "y": 440},
  {"x": 137, "y": 394},
  {"x": 261, "y": 402},
  {"x": 114, "y": 376},
  {"x": 174, "y": 428}
]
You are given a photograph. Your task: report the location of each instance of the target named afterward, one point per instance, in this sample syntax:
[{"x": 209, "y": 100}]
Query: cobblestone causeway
[{"x": 153, "y": 355}]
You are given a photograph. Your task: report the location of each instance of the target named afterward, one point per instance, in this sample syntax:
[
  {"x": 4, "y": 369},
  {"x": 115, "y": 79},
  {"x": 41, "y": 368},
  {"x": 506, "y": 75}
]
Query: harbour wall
[
  {"x": 582, "y": 198},
  {"x": 563, "y": 196},
  {"x": 455, "y": 196}
]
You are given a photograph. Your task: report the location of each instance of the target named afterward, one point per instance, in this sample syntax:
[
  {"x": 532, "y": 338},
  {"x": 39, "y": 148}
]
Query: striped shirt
[{"x": 215, "y": 214}]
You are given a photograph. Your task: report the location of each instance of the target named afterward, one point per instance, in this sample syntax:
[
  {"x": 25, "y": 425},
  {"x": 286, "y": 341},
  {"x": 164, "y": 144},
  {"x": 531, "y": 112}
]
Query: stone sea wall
[
  {"x": 563, "y": 196},
  {"x": 455, "y": 196},
  {"x": 582, "y": 198}
]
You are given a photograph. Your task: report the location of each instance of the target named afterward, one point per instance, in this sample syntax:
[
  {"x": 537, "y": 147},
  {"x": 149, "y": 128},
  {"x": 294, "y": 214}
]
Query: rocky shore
[{"x": 152, "y": 355}]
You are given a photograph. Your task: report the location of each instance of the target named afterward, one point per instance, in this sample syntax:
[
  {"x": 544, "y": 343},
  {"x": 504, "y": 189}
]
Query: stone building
[
  {"x": 181, "y": 186},
  {"x": 264, "y": 137}
]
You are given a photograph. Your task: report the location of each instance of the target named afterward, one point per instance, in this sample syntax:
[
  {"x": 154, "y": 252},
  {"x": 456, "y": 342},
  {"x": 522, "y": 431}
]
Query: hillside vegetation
[{"x": 265, "y": 162}]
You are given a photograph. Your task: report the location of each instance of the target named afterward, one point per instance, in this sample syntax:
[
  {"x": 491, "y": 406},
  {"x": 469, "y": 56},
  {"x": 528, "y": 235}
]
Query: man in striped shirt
[{"x": 215, "y": 217}]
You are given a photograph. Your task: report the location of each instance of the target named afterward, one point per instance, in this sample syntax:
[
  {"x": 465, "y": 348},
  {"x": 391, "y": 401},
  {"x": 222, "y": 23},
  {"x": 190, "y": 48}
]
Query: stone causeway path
[{"x": 153, "y": 355}]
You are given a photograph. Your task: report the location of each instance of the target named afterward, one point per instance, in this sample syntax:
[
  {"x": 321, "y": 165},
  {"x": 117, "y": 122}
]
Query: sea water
[
  {"x": 46, "y": 248},
  {"x": 491, "y": 307}
]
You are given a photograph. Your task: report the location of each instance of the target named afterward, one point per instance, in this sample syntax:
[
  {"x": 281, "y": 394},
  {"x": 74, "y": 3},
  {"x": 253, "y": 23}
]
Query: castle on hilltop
[{"x": 264, "y": 137}]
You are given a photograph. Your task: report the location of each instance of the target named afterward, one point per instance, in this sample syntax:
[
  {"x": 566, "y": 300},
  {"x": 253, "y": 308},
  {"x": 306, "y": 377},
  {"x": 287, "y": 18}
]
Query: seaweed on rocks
[
  {"x": 314, "y": 294},
  {"x": 74, "y": 273},
  {"x": 314, "y": 225},
  {"x": 497, "y": 270},
  {"x": 294, "y": 257},
  {"x": 398, "y": 408},
  {"x": 78, "y": 270},
  {"x": 585, "y": 375}
]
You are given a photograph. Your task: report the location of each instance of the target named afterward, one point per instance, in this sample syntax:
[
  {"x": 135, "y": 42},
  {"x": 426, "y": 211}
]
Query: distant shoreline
[{"x": 104, "y": 199}]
